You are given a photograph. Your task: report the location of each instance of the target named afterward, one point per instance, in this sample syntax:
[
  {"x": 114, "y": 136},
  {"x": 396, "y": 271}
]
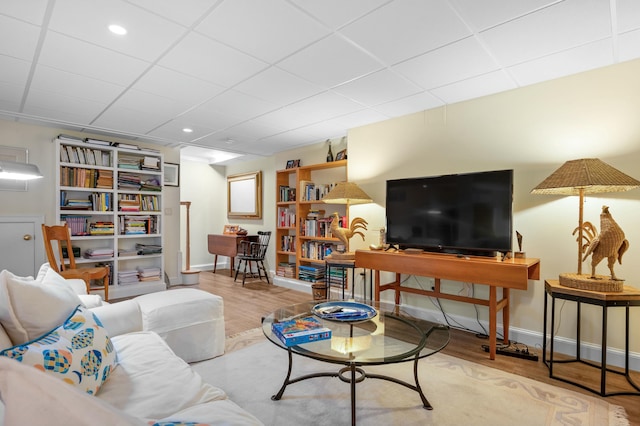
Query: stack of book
[
  {"x": 148, "y": 274},
  {"x": 105, "y": 179},
  {"x": 77, "y": 224},
  {"x": 129, "y": 204},
  {"x": 128, "y": 162},
  {"x": 127, "y": 277},
  {"x": 286, "y": 269},
  {"x": 300, "y": 330},
  {"x": 150, "y": 163},
  {"x": 101, "y": 228},
  {"x": 148, "y": 249},
  {"x": 129, "y": 181},
  {"x": 98, "y": 253},
  {"x": 311, "y": 273}
]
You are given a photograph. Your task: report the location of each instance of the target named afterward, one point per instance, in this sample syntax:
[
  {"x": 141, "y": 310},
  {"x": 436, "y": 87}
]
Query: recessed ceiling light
[
  {"x": 187, "y": 130},
  {"x": 117, "y": 29}
]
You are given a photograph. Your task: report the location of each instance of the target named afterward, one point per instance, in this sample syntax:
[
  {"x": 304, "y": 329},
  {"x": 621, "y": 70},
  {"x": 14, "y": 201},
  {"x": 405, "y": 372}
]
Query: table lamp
[
  {"x": 347, "y": 193},
  {"x": 581, "y": 177}
]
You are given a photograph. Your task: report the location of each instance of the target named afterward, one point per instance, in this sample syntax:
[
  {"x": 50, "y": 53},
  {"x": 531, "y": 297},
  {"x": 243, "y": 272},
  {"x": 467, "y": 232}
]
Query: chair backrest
[
  {"x": 263, "y": 241},
  {"x": 58, "y": 235}
]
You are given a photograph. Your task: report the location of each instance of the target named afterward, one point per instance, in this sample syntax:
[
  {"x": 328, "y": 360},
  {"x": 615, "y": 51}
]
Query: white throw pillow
[
  {"x": 31, "y": 308},
  {"x": 34, "y": 398}
]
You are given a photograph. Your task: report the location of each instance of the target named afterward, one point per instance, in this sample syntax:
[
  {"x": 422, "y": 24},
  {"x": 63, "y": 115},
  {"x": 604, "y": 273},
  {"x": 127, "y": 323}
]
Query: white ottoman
[{"x": 191, "y": 321}]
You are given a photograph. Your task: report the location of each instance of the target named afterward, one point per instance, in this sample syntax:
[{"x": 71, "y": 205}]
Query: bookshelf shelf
[
  {"x": 294, "y": 186},
  {"x": 105, "y": 175}
]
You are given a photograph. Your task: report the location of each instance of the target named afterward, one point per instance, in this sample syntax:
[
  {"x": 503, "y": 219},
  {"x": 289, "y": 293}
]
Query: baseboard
[{"x": 533, "y": 339}]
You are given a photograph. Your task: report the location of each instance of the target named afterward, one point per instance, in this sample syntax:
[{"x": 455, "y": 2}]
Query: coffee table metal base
[{"x": 353, "y": 375}]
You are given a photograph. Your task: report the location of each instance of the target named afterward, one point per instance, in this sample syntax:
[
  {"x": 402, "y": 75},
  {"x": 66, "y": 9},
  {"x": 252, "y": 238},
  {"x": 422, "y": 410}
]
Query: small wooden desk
[
  {"x": 627, "y": 298},
  {"x": 507, "y": 274},
  {"x": 226, "y": 245}
]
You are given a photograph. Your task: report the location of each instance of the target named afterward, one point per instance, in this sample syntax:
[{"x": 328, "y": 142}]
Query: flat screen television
[{"x": 468, "y": 214}]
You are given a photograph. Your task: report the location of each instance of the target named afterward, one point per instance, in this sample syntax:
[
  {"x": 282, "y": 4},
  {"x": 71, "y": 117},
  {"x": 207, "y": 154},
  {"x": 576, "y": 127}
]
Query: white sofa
[{"x": 129, "y": 373}]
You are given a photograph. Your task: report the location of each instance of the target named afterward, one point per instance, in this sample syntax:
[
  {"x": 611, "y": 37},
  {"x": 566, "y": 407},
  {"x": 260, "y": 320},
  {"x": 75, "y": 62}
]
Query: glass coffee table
[{"x": 389, "y": 337}]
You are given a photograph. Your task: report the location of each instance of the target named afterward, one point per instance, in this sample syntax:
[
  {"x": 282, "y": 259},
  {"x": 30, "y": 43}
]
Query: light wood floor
[{"x": 245, "y": 306}]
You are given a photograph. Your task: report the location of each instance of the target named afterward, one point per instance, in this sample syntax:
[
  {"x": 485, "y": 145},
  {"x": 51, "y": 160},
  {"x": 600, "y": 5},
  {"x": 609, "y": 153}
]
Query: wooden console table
[
  {"x": 226, "y": 245},
  {"x": 507, "y": 274}
]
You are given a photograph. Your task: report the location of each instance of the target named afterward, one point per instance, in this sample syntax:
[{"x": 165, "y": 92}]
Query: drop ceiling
[{"x": 256, "y": 77}]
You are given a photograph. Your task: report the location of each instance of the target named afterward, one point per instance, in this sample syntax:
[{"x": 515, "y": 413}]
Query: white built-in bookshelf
[{"x": 111, "y": 197}]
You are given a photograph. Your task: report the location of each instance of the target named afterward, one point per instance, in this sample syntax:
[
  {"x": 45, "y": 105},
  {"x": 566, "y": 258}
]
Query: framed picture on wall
[
  {"x": 171, "y": 174},
  {"x": 342, "y": 155}
]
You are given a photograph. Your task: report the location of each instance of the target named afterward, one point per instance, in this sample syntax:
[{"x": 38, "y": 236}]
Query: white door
[{"x": 21, "y": 246}]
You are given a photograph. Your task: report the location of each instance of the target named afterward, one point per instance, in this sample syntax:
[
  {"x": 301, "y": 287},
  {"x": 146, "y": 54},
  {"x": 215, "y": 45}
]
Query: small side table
[
  {"x": 343, "y": 265},
  {"x": 628, "y": 297}
]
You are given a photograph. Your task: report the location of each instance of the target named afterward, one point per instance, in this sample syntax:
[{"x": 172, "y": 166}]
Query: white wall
[{"x": 533, "y": 130}]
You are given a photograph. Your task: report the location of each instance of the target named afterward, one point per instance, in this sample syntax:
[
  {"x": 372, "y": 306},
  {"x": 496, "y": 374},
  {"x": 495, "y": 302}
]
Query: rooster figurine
[
  {"x": 344, "y": 234},
  {"x": 610, "y": 244}
]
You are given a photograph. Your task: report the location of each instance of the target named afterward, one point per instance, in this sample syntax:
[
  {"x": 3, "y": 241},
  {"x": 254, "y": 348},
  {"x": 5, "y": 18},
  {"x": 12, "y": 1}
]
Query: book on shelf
[
  {"x": 300, "y": 330},
  {"x": 97, "y": 142},
  {"x": 125, "y": 145}
]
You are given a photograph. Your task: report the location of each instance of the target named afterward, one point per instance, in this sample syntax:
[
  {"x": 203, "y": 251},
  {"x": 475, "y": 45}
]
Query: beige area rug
[{"x": 461, "y": 392}]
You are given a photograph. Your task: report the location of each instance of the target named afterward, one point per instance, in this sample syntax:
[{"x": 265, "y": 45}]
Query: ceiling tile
[
  {"x": 238, "y": 105},
  {"x": 62, "y": 107},
  {"x": 278, "y": 87},
  {"x": 403, "y": 29},
  {"x": 68, "y": 54},
  {"x": 22, "y": 46},
  {"x": 457, "y": 61},
  {"x": 481, "y": 15},
  {"x": 138, "y": 100},
  {"x": 629, "y": 45},
  {"x": 324, "y": 106},
  {"x": 15, "y": 71},
  {"x": 628, "y": 14},
  {"x": 336, "y": 13},
  {"x": 282, "y": 29},
  {"x": 482, "y": 85},
  {"x": 211, "y": 61},
  {"x": 173, "y": 131},
  {"x": 564, "y": 25},
  {"x": 148, "y": 35},
  {"x": 377, "y": 88},
  {"x": 129, "y": 121},
  {"x": 10, "y": 97},
  {"x": 184, "y": 12},
  {"x": 409, "y": 105},
  {"x": 564, "y": 63},
  {"x": 31, "y": 11},
  {"x": 185, "y": 89},
  {"x": 60, "y": 82},
  {"x": 330, "y": 62}
]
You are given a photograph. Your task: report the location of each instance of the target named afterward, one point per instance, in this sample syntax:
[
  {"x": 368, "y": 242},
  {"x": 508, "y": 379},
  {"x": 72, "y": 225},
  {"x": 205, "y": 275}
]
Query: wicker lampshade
[
  {"x": 589, "y": 174},
  {"x": 580, "y": 177},
  {"x": 347, "y": 193}
]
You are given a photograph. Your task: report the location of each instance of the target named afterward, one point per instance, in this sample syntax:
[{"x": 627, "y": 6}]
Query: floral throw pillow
[{"x": 79, "y": 352}]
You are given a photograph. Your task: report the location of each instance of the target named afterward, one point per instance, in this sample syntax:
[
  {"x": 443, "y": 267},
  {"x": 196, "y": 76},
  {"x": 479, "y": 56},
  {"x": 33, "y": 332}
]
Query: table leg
[
  {"x": 603, "y": 365},
  {"x": 505, "y": 314},
  {"x": 353, "y": 394},
  {"x": 493, "y": 327}
]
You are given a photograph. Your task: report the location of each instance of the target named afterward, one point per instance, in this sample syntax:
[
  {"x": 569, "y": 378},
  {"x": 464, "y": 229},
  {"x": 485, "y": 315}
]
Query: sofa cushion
[
  {"x": 34, "y": 398},
  {"x": 30, "y": 308},
  {"x": 78, "y": 352},
  {"x": 150, "y": 381}
]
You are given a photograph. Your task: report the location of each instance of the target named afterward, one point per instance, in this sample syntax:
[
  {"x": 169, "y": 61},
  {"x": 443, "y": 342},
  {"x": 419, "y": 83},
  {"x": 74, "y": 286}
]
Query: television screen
[{"x": 462, "y": 213}]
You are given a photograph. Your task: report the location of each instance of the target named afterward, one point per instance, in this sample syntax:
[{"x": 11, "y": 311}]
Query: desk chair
[
  {"x": 59, "y": 234},
  {"x": 253, "y": 251}
]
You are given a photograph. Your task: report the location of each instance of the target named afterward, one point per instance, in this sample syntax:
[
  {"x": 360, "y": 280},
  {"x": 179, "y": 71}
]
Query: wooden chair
[
  {"x": 253, "y": 252},
  {"x": 60, "y": 234}
]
